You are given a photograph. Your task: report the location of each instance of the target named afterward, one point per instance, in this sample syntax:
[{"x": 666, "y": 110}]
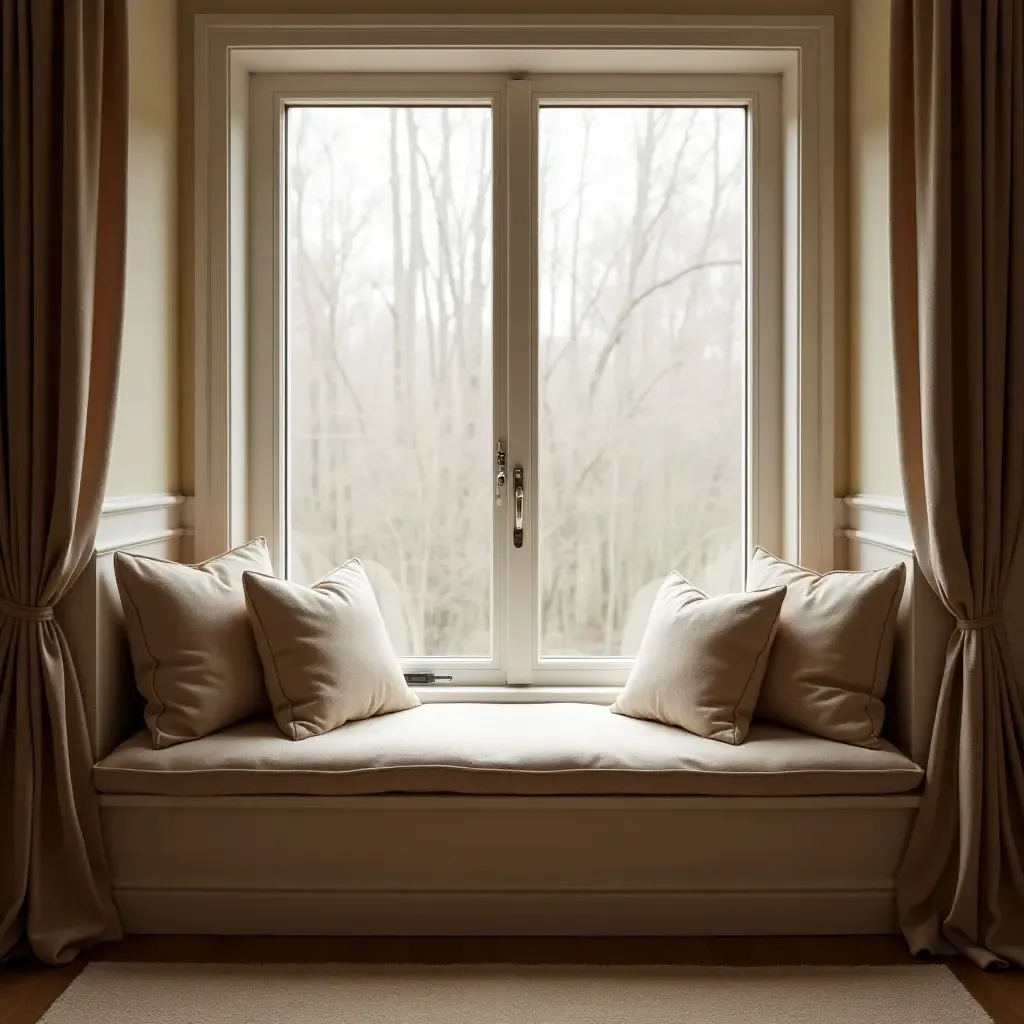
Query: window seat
[
  {"x": 503, "y": 749},
  {"x": 498, "y": 819}
]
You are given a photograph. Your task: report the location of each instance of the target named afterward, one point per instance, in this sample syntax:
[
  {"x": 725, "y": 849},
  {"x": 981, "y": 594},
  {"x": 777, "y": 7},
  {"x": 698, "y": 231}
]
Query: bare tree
[{"x": 641, "y": 362}]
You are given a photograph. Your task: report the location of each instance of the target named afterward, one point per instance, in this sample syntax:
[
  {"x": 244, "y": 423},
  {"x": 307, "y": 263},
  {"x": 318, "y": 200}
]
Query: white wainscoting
[
  {"x": 873, "y": 520},
  {"x": 147, "y": 520},
  {"x": 873, "y": 531},
  {"x": 154, "y": 524}
]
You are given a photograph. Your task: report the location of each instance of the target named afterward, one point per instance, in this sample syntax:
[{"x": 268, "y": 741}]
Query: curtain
[
  {"x": 957, "y": 209},
  {"x": 63, "y": 166}
]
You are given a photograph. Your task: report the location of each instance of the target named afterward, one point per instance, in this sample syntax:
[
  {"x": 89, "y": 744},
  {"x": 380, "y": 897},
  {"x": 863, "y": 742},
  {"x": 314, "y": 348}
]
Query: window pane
[
  {"x": 389, "y": 363},
  {"x": 642, "y": 342}
]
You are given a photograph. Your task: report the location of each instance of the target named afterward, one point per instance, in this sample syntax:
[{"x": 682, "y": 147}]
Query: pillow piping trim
[
  {"x": 746, "y": 686},
  {"x": 762, "y": 653},
  {"x": 126, "y": 592},
  {"x": 270, "y": 649},
  {"x": 874, "y": 734},
  {"x": 830, "y": 572},
  {"x": 101, "y": 769},
  {"x": 887, "y": 625}
]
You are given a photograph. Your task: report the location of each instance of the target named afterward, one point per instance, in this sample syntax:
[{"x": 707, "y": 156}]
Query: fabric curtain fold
[
  {"x": 957, "y": 212},
  {"x": 63, "y": 172}
]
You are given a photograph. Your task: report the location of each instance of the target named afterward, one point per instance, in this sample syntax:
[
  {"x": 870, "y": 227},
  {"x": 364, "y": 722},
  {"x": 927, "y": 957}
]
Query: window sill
[{"x": 503, "y": 694}]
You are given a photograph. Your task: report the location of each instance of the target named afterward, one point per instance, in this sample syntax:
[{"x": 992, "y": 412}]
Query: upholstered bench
[
  {"x": 503, "y": 749},
  {"x": 467, "y": 818},
  {"x": 498, "y": 818}
]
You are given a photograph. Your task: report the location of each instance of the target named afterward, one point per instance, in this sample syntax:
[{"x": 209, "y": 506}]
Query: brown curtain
[
  {"x": 63, "y": 143},
  {"x": 957, "y": 209}
]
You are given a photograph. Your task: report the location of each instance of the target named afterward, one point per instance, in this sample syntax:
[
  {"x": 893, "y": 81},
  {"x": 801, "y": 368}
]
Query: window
[
  {"x": 388, "y": 343},
  {"x": 446, "y": 281},
  {"x": 515, "y": 354},
  {"x": 641, "y": 369}
]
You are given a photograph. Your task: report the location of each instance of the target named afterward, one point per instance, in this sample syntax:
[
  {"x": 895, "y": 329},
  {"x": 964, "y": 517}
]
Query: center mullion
[{"x": 521, "y": 158}]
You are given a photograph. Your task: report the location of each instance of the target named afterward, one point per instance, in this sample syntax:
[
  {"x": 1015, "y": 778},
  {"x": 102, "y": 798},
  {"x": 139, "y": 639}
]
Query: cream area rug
[{"x": 119, "y": 993}]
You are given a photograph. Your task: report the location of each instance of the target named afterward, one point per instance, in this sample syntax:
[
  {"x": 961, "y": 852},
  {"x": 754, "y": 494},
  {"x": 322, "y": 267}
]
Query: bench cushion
[{"x": 510, "y": 749}]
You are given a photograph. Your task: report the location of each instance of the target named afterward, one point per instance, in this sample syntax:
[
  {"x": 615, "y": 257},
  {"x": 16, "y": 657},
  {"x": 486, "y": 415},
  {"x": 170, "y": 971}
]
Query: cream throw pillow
[
  {"x": 829, "y": 664},
  {"x": 192, "y": 647},
  {"x": 702, "y": 660},
  {"x": 327, "y": 658}
]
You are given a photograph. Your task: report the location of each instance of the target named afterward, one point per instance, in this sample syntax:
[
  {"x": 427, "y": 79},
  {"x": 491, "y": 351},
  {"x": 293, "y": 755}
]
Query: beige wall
[
  {"x": 874, "y": 463},
  {"x": 840, "y": 9},
  {"x": 874, "y": 460},
  {"x": 145, "y": 456}
]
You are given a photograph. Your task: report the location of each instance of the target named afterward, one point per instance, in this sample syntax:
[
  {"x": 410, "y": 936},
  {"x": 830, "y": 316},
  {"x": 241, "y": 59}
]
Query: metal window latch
[
  {"x": 499, "y": 476},
  {"x": 424, "y": 678},
  {"x": 517, "y": 485}
]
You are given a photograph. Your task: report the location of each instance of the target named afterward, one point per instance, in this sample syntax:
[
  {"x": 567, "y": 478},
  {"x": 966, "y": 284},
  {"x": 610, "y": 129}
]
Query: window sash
[{"x": 515, "y": 103}]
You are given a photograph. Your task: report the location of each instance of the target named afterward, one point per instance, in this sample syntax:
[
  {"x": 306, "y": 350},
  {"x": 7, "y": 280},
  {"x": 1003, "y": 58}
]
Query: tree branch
[{"x": 623, "y": 318}]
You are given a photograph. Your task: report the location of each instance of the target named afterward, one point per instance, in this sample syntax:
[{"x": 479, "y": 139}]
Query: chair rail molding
[
  {"x": 143, "y": 520},
  {"x": 874, "y": 520}
]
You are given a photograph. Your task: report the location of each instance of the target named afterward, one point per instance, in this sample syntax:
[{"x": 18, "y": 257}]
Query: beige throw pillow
[
  {"x": 327, "y": 658},
  {"x": 195, "y": 660},
  {"x": 702, "y": 660},
  {"x": 829, "y": 665}
]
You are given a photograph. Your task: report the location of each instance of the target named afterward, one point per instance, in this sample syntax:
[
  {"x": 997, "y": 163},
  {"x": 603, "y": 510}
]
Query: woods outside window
[
  {"x": 514, "y": 352},
  {"x": 521, "y": 336}
]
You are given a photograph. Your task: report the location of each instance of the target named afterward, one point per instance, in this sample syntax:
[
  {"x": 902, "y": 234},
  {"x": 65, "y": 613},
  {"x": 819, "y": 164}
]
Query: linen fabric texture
[
  {"x": 829, "y": 665},
  {"x": 702, "y": 659},
  {"x": 505, "y": 749},
  {"x": 956, "y": 153},
  {"x": 63, "y": 193},
  {"x": 195, "y": 658},
  {"x": 326, "y": 654}
]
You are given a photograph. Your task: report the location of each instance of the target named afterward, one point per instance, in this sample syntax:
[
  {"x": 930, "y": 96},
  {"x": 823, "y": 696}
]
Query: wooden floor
[{"x": 27, "y": 989}]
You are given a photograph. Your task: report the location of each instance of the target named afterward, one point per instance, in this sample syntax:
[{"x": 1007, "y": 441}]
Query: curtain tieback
[
  {"x": 985, "y": 622},
  {"x": 26, "y": 612}
]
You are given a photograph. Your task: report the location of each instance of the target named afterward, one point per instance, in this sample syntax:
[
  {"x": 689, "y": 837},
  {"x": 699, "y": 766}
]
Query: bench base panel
[{"x": 446, "y": 865}]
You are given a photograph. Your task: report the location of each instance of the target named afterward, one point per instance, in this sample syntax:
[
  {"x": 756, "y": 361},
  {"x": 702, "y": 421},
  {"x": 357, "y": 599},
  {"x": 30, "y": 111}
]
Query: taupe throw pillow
[
  {"x": 327, "y": 658},
  {"x": 195, "y": 660},
  {"x": 702, "y": 660},
  {"x": 829, "y": 665}
]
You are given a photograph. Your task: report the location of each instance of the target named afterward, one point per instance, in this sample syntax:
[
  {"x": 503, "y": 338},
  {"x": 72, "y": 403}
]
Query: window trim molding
[{"x": 228, "y": 47}]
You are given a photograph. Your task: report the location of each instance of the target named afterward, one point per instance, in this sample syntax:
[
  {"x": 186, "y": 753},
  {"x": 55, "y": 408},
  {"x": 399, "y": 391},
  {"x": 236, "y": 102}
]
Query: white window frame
[
  {"x": 270, "y": 96},
  {"x": 776, "y": 63},
  {"x": 515, "y": 105}
]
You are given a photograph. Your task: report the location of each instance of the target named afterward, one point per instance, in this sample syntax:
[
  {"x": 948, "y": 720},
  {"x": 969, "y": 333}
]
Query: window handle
[
  {"x": 517, "y": 483},
  {"x": 499, "y": 474}
]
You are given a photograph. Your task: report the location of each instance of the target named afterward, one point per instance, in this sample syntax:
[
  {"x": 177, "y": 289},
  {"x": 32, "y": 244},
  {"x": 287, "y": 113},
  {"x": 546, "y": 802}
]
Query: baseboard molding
[{"x": 622, "y": 913}]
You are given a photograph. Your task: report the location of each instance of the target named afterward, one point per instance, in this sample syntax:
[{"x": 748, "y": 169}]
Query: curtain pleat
[
  {"x": 63, "y": 173},
  {"x": 957, "y": 209}
]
